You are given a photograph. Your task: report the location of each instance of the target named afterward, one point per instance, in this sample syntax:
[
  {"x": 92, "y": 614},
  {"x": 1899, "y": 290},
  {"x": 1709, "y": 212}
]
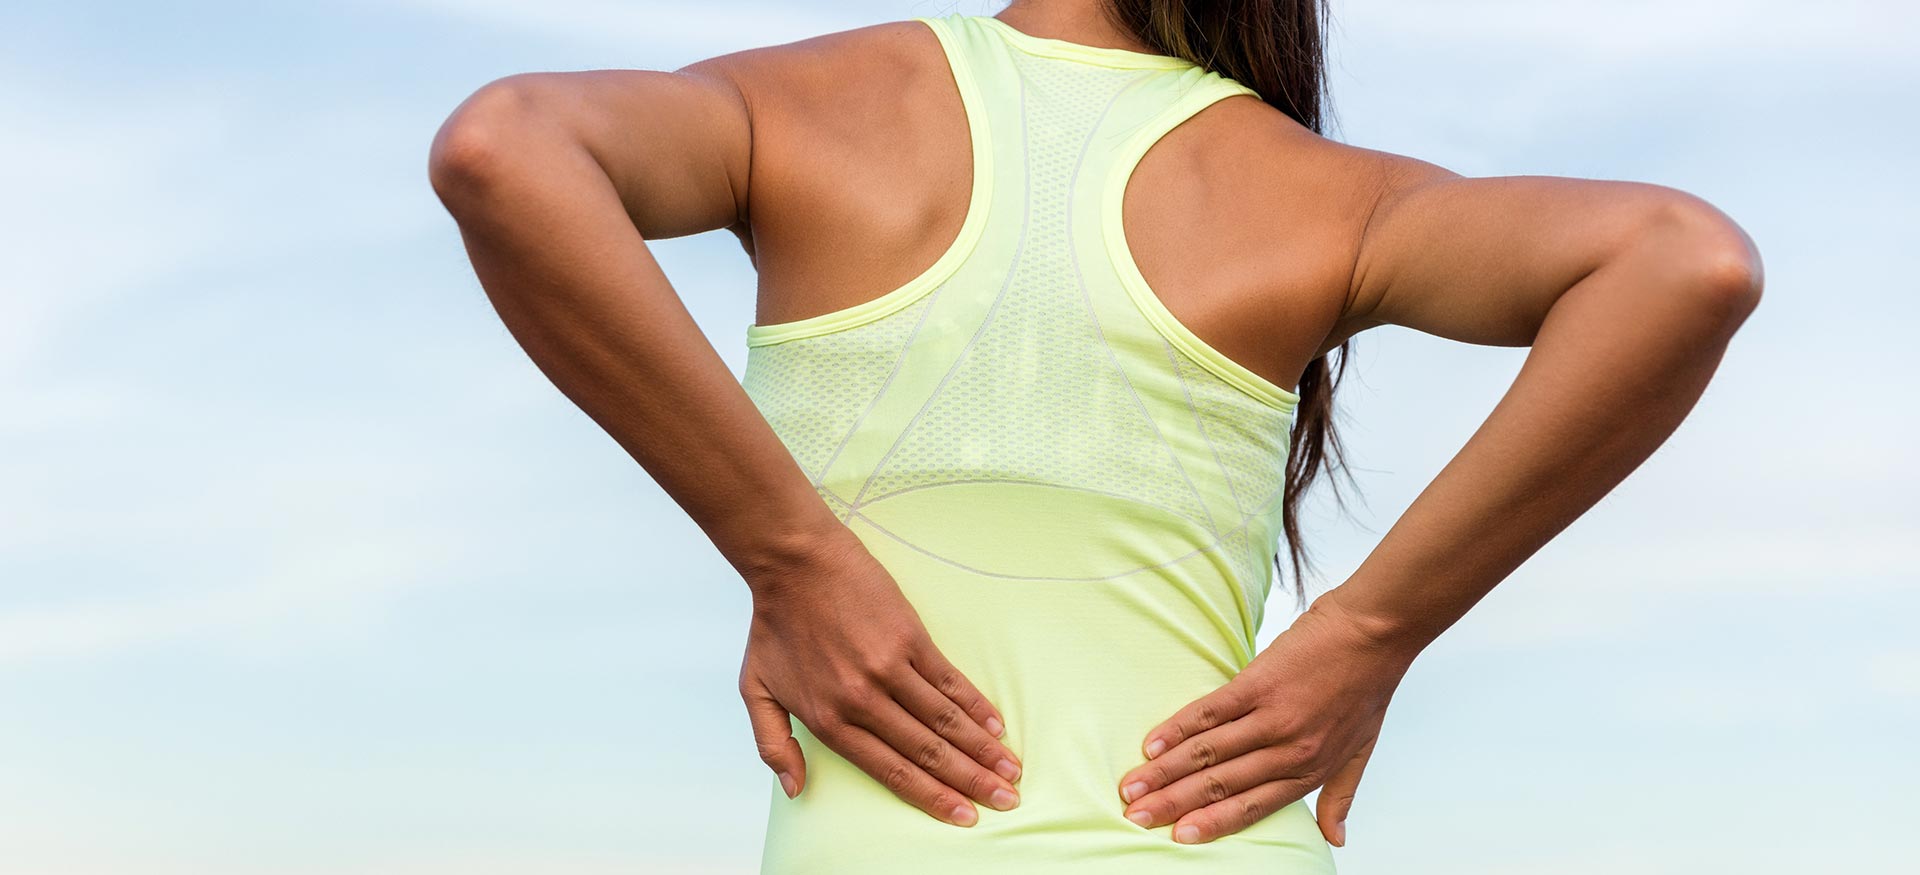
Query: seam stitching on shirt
[
  {"x": 1026, "y": 221},
  {"x": 1080, "y": 279},
  {"x": 1215, "y": 547}
]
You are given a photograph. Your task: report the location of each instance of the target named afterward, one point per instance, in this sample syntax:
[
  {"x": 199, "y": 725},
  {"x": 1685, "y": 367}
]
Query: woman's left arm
[{"x": 1628, "y": 294}]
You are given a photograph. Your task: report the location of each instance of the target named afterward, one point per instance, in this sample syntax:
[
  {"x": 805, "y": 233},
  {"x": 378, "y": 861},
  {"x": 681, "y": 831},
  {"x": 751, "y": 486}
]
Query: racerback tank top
[{"x": 1079, "y": 496}]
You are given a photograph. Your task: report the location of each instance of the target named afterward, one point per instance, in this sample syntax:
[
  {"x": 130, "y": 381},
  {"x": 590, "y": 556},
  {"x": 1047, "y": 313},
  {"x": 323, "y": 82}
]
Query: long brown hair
[{"x": 1277, "y": 48}]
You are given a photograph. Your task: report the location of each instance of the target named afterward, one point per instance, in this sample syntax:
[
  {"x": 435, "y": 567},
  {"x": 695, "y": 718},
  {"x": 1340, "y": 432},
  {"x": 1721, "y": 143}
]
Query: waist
[
  {"x": 999, "y": 535},
  {"x": 1081, "y": 669}
]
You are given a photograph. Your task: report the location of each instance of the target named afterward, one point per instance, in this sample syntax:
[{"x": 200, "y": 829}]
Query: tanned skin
[{"x": 842, "y": 164}]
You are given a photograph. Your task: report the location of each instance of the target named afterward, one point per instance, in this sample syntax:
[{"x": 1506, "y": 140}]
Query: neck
[{"x": 1079, "y": 21}]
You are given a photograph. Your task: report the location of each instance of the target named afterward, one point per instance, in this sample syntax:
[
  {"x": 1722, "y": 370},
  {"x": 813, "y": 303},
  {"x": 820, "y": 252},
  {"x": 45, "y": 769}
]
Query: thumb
[
  {"x": 1336, "y": 796},
  {"x": 773, "y": 735}
]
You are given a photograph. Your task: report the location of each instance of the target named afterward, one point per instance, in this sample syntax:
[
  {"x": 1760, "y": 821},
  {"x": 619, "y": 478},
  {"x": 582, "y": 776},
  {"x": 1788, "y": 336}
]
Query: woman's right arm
[{"x": 556, "y": 180}]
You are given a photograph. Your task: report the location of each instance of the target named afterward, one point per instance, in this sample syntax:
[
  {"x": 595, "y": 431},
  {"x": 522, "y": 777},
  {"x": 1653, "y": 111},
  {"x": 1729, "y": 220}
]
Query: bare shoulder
[
  {"x": 1284, "y": 211},
  {"x": 859, "y": 139},
  {"x": 1323, "y": 180},
  {"x": 818, "y": 69}
]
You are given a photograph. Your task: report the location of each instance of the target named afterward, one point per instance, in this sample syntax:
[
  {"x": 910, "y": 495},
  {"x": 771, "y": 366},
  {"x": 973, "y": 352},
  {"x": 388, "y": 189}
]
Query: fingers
[
  {"x": 1200, "y": 752},
  {"x": 936, "y": 756},
  {"x": 1209, "y": 786},
  {"x": 907, "y": 780},
  {"x": 1336, "y": 798},
  {"x": 933, "y": 665},
  {"x": 1235, "y": 813},
  {"x": 941, "y": 714},
  {"x": 1200, "y": 715},
  {"x": 773, "y": 735}
]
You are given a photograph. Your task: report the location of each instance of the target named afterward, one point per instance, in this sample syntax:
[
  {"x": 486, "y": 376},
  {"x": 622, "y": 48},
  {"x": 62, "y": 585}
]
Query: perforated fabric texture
[
  {"x": 814, "y": 390},
  {"x": 1037, "y": 396}
]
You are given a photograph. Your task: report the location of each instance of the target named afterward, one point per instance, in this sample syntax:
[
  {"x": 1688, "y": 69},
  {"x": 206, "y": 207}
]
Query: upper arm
[
  {"x": 674, "y": 145},
  {"x": 1481, "y": 260}
]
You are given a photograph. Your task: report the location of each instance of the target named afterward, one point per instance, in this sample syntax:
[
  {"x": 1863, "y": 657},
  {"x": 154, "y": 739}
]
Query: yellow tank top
[{"x": 1079, "y": 496}]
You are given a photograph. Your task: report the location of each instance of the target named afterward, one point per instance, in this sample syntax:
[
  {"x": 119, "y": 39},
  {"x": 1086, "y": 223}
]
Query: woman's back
[{"x": 1078, "y": 493}]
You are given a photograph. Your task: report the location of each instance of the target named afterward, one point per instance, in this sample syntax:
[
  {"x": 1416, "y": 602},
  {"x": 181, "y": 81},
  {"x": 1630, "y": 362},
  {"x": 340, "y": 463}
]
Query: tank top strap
[
  {"x": 990, "y": 88},
  {"x": 1024, "y": 88}
]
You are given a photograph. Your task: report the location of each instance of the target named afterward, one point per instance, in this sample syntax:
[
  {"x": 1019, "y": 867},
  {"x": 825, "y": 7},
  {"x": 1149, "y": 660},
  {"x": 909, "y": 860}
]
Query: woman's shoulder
[
  {"x": 1279, "y": 145},
  {"x": 1290, "y": 182},
  {"x": 1266, "y": 206},
  {"x": 839, "y": 63}
]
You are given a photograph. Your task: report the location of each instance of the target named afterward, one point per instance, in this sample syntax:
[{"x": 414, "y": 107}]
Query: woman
[{"x": 1012, "y": 452}]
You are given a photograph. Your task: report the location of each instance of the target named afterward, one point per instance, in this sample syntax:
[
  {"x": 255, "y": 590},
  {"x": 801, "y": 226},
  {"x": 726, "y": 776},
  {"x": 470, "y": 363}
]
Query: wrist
[
  {"x": 774, "y": 557},
  {"x": 1384, "y": 631}
]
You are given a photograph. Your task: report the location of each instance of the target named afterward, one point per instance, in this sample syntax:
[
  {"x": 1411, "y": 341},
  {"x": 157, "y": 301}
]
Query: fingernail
[
  {"x": 1142, "y": 818},
  {"x": 1155, "y": 748},
  {"x": 1008, "y": 770},
  {"x": 964, "y": 815},
  {"x": 1187, "y": 834},
  {"x": 1004, "y": 799},
  {"x": 993, "y": 726},
  {"x": 786, "y": 783},
  {"x": 1340, "y": 832},
  {"x": 1133, "y": 791}
]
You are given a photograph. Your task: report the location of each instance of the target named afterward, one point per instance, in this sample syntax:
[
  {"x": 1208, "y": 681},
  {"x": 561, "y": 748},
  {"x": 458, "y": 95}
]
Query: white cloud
[
  {"x": 86, "y": 213},
  {"x": 1895, "y": 673},
  {"x": 335, "y": 581}
]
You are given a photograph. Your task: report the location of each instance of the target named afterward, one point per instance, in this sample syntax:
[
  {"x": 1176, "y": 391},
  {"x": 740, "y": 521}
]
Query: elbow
[
  {"x": 1718, "y": 265},
  {"x": 478, "y": 149}
]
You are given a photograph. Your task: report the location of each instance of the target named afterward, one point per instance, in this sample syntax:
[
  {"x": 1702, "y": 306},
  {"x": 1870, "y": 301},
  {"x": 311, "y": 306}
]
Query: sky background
[{"x": 304, "y": 568}]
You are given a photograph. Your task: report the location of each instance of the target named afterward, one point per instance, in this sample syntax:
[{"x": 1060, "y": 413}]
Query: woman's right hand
[{"x": 835, "y": 643}]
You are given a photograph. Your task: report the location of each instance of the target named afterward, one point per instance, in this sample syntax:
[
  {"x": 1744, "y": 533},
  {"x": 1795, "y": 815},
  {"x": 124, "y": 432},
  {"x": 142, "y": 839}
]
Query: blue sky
[{"x": 304, "y": 568}]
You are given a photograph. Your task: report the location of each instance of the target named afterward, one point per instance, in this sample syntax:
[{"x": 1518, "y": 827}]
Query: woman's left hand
[{"x": 1304, "y": 713}]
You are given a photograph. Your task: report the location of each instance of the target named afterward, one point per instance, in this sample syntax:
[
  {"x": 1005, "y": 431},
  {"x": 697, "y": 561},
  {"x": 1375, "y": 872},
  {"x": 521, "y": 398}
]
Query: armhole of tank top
[
  {"x": 979, "y": 137},
  {"x": 1149, "y": 303}
]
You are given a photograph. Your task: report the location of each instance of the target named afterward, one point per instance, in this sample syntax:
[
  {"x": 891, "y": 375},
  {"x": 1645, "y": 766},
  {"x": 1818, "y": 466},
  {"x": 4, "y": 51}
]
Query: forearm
[
  {"x": 562, "y": 261},
  {"x": 1619, "y": 360}
]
